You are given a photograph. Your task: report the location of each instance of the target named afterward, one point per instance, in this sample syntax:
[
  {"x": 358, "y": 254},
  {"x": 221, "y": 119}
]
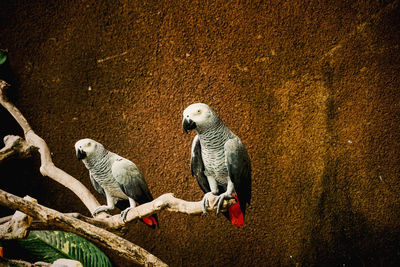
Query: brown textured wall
[{"x": 311, "y": 87}]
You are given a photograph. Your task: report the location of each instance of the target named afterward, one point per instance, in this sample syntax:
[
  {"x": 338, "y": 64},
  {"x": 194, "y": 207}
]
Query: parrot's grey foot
[
  {"x": 206, "y": 202},
  {"x": 124, "y": 213},
  {"x": 220, "y": 200},
  {"x": 100, "y": 209}
]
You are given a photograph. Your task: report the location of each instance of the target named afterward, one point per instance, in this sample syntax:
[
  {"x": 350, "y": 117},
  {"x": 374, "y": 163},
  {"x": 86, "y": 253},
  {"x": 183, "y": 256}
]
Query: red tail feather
[
  {"x": 151, "y": 221},
  {"x": 235, "y": 213}
]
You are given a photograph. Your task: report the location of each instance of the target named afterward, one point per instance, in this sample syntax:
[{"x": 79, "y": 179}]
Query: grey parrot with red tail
[
  {"x": 116, "y": 178},
  {"x": 219, "y": 161}
]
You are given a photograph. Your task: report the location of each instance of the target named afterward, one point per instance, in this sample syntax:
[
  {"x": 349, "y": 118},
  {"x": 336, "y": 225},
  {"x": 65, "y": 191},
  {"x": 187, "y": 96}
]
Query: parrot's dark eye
[{"x": 199, "y": 111}]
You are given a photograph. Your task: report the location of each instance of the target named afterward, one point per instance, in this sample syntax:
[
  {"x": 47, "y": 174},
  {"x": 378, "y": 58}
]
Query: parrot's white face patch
[
  {"x": 86, "y": 145},
  {"x": 199, "y": 113}
]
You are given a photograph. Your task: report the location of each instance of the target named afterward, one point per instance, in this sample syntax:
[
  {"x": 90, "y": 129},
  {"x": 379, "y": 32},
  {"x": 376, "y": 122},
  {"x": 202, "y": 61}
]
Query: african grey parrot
[
  {"x": 219, "y": 160},
  {"x": 115, "y": 177}
]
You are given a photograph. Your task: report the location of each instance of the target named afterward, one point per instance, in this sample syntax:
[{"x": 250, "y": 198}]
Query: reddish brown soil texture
[{"x": 311, "y": 87}]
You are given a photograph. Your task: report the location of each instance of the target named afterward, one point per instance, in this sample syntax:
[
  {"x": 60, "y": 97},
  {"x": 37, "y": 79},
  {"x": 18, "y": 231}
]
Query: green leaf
[
  {"x": 49, "y": 246},
  {"x": 3, "y": 56}
]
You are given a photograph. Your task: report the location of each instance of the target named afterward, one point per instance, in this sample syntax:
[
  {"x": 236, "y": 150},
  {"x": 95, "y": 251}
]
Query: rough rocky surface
[{"x": 311, "y": 87}]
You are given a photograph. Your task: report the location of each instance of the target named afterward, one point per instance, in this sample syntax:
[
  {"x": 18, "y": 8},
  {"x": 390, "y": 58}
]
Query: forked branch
[
  {"x": 95, "y": 234},
  {"x": 47, "y": 167}
]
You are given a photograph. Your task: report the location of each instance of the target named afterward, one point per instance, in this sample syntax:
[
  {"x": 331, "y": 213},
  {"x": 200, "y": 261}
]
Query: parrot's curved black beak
[
  {"x": 80, "y": 154},
  {"x": 188, "y": 125}
]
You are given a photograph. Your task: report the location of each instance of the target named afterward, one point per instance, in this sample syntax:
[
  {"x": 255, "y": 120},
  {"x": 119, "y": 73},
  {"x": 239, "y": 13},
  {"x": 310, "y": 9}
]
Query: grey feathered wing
[
  {"x": 239, "y": 170},
  {"x": 131, "y": 181},
  {"x": 197, "y": 165}
]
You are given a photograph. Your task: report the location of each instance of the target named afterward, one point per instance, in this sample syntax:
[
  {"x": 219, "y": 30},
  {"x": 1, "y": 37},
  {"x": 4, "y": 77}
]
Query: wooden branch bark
[
  {"x": 95, "y": 234},
  {"x": 164, "y": 202},
  {"x": 167, "y": 202},
  {"x": 18, "y": 226},
  {"x": 15, "y": 146},
  {"x": 47, "y": 167},
  {"x": 5, "y": 219},
  {"x": 116, "y": 225}
]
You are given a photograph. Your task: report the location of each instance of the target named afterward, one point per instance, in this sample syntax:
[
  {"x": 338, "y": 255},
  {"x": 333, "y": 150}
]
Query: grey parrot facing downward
[
  {"x": 116, "y": 178},
  {"x": 219, "y": 160}
]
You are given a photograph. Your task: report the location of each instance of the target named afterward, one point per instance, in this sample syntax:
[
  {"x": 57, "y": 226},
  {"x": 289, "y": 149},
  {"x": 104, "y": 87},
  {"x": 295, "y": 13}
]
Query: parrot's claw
[
  {"x": 206, "y": 202},
  {"x": 220, "y": 200},
  {"x": 100, "y": 209},
  {"x": 124, "y": 213}
]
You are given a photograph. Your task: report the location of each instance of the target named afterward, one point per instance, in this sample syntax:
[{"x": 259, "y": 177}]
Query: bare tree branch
[
  {"x": 167, "y": 202},
  {"x": 15, "y": 146},
  {"x": 18, "y": 226},
  {"x": 5, "y": 219},
  {"x": 164, "y": 202},
  {"x": 95, "y": 234},
  {"x": 47, "y": 167},
  {"x": 116, "y": 225}
]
